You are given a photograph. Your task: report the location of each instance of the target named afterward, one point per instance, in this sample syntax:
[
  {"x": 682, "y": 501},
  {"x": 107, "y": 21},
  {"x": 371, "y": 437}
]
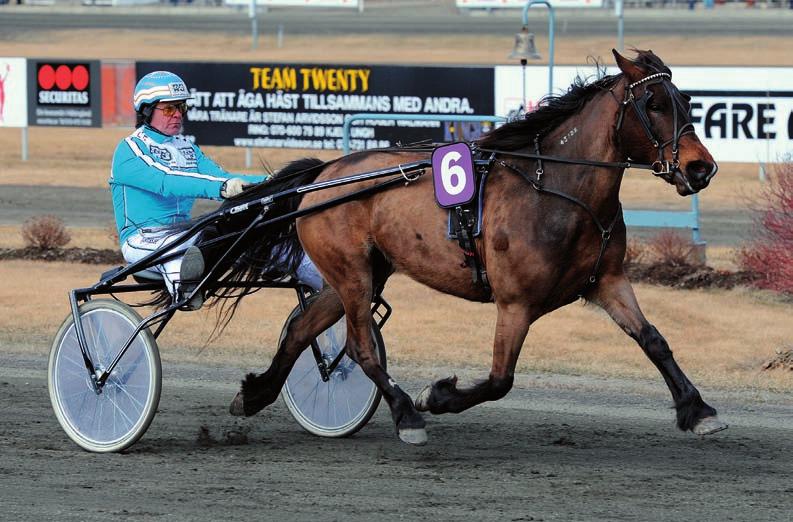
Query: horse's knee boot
[{"x": 654, "y": 344}]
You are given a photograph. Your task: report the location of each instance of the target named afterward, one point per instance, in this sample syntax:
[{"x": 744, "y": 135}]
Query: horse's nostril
[
  {"x": 701, "y": 172},
  {"x": 714, "y": 168}
]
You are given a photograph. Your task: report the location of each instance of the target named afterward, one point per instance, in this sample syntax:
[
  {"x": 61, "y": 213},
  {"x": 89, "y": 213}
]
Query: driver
[{"x": 156, "y": 176}]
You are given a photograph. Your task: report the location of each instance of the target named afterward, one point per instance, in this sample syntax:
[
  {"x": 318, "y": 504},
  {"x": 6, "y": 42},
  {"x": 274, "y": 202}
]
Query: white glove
[{"x": 232, "y": 187}]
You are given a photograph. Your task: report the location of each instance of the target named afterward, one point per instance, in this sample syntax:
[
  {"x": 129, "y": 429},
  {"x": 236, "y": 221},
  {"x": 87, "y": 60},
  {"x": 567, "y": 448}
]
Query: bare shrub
[
  {"x": 112, "y": 232},
  {"x": 670, "y": 248},
  {"x": 782, "y": 360},
  {"x": 45, "y": 232},
  {"x": 770, "y": 253},
  {"x": 635, "y": 251}
]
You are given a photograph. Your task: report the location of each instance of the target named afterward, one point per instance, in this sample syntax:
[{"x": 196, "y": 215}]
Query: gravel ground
[{"x": 556, "y": 448}]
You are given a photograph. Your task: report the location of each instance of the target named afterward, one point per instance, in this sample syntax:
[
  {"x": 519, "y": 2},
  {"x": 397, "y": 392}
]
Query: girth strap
[
  {"x": 605, "y": 230},
  {"x": 464, "y": 222}
]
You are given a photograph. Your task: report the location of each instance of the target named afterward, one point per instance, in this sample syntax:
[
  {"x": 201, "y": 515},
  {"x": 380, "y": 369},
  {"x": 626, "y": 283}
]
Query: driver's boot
[{"x": 190, "y": 274}]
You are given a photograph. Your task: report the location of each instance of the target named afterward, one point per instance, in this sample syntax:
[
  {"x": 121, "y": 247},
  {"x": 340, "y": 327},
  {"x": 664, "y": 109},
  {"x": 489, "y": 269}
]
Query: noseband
[{"x": 660, "y": 167}]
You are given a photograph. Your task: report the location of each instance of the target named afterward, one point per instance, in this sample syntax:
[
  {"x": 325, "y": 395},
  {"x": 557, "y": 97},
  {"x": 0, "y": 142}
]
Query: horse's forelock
[{"x": 651, "y": 62}]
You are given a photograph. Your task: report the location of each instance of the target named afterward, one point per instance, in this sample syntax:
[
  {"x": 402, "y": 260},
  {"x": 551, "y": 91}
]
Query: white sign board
[
  {"x": 741, "y": 114},
  {"x": 13, "y": 92},
  {"x": 515, "y": 4},
  {"x": 299, "y": 3}
]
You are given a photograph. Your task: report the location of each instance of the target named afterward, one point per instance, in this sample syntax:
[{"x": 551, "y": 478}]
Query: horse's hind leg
[
  {"x": 261, "y": 390},
  {"x": 615, "y": 295},
  {"x": 351, "y": 275},
  {"x": 511, "y": 328}
]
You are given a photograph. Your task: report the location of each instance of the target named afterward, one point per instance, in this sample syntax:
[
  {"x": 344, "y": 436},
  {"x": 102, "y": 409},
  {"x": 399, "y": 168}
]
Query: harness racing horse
[{"x": 552, "y": 232}]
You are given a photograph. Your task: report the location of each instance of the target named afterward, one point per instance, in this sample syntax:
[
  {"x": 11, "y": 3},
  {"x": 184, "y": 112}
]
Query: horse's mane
[{"x": 555, "y": 109}]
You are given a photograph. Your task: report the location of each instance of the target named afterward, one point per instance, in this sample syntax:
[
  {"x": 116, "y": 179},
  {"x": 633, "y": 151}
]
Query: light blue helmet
[{"x": 159, "y": 86}]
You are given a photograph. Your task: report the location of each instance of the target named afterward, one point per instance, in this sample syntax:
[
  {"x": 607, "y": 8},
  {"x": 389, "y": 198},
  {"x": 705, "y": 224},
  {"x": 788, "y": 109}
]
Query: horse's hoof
[
  {"x": 422, "y": 402},
  {"x": 709, "y": 425},
  {"x": 237, "y": 407},
  {"x": 414, "y": 436}
]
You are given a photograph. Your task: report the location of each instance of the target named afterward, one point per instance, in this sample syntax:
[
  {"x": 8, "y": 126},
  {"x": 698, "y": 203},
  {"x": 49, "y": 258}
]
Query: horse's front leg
[
  {"x": 444, "y": 396},
  {"x": 615, "y": 295},
  {"x": 261, "y": 390}
]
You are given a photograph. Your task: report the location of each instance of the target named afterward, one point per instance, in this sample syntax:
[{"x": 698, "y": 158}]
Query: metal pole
[
  {"x": 523, "y": 92},
  {"x": 618, "y": 8},
  {"x": 551, "y": 25},
  {"x": 280, "y": 36},
  {"x": 248, "y": 157},
  {"x": 24, "y": 143},
  {"x": 254, "y": 24},
  {"x": 695, "y": 237}
]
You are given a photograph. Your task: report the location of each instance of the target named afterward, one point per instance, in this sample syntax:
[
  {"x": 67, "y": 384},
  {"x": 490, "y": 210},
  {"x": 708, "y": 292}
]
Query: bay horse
[{"x": 552, "y": 232}]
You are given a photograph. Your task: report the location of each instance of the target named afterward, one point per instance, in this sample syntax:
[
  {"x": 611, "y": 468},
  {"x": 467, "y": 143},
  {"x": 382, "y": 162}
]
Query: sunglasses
[{"x": 170, "y": 110}]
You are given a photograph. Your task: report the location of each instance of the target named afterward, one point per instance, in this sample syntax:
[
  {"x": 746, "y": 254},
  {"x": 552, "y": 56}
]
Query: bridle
[{"x": 661, "y": 167}]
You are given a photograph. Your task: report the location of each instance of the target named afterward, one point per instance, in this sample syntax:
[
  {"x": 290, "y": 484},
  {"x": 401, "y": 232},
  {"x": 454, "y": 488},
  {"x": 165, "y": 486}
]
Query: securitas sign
[{"x": 64, "y": 94}]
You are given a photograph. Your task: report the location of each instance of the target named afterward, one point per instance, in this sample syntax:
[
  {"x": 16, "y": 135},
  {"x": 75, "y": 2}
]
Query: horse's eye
[{"x": 655, "y": 107}]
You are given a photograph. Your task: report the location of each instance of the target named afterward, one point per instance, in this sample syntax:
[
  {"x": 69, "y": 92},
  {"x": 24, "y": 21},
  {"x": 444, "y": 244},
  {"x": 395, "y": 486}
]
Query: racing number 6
[{"x": 452, "y": 176}]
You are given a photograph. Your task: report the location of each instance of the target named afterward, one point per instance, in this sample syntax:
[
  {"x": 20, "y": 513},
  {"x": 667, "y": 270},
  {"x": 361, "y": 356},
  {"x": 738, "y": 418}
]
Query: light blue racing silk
[{"x": 155, "y": 180}]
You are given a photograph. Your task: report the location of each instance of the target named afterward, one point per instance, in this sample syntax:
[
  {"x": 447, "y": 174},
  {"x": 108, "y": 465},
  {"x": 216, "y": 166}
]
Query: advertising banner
[
  {"x": 64, "y": 93},
  {"x": 299, "y": 3},
  {"x": 742, "y": 114},
  {"x": 515, "y": 4},
  {"x": 13, "y": 92},
  {"x": 304, "y": 105}
]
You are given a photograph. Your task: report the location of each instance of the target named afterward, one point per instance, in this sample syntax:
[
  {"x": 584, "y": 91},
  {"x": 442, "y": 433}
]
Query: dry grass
[
  {"x": 719, "y": 337},
  {"x": 81, "y": 166},
  {"x": 78, "y": 166},
  {"x": 481, "y": 49}
]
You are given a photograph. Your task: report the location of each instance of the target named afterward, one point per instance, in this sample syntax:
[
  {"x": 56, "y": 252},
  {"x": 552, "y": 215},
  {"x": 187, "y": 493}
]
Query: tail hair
[{"x": 271, "y": 253}]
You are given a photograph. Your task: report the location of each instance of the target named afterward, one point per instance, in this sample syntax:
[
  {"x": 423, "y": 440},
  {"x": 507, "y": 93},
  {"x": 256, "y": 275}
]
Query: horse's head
[{"x": 654, "y": 124}]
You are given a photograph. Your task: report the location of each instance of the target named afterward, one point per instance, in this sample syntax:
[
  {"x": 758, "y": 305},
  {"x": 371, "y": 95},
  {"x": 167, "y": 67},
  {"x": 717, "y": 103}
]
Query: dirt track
[{"x": 556, "y": 448}]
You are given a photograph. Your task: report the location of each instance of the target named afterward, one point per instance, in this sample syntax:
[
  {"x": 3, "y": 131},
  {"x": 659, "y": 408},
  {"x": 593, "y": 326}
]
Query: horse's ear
[{"x": 630, "y": 69}]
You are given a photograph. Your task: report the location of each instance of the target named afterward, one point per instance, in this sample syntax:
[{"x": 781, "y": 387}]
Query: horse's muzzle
[{"x": 699, "y": 173}]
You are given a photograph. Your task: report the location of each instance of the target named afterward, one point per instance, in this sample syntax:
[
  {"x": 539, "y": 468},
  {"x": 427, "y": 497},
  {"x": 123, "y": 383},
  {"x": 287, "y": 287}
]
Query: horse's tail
[{"x": 274, "y": 252}]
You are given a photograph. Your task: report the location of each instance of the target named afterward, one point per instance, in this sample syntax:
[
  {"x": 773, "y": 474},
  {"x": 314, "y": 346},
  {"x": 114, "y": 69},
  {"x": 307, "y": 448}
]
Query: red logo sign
[
  {"x": 63, "y": 84},
  {"x": 64, "y": 77}
]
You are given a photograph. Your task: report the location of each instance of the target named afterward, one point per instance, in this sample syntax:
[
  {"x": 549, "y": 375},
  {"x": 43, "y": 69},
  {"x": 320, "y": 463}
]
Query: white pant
[
  {"x": 146, "y": 241},
  {"x": 143, "y": 243}
]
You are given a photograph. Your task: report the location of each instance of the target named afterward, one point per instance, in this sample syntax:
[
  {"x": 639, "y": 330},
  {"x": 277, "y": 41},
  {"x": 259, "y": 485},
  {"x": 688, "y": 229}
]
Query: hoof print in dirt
[
  {"x": 204, "y": 438},
  {"x": 236, "y": 436}
]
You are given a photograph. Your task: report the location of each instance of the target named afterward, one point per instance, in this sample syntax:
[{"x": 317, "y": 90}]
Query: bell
[{"x": 524, "y": 46}]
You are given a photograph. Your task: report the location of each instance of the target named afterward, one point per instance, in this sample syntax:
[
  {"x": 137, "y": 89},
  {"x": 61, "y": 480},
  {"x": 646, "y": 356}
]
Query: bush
[
  {"x": 112, "y": 232},
  {"x": 672, "y": 249},
  {"x": 46, "y": 232},
  {"x": 635, "y": 252},
  {"x": 770, "y": 253}
]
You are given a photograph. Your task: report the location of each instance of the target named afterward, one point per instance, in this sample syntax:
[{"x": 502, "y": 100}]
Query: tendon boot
[{"x": 189, "y": 276}]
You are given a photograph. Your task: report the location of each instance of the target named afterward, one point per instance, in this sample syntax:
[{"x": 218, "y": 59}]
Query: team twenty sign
[{"x": 304, "y": 105}]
